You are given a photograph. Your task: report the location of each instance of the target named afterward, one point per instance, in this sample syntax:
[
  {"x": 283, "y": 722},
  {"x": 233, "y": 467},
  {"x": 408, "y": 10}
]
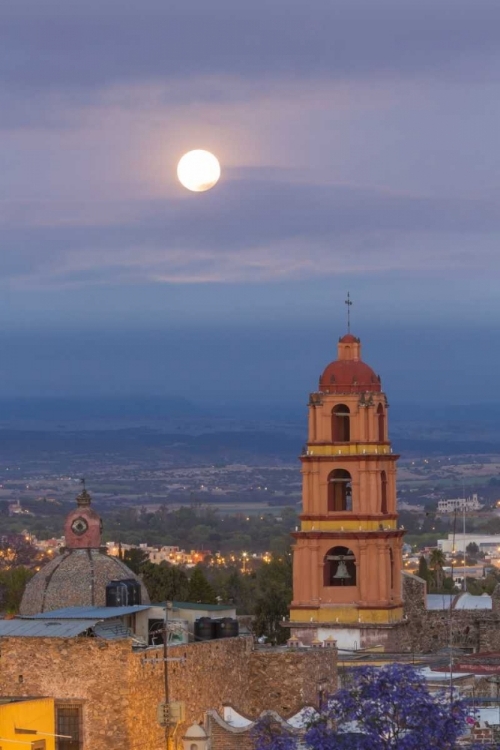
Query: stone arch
[
  {"x": 383, "y": 492},
  {"x": 341, "y": 424},
  {"x": 381, "y": 423},
  {"x": 339, "y": 491},
  {"x": 339, "y": 567}
]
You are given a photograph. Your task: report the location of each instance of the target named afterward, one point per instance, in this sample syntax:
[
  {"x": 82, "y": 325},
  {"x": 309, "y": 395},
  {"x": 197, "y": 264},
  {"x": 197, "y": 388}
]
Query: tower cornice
[{"x": 339, "y": 535}]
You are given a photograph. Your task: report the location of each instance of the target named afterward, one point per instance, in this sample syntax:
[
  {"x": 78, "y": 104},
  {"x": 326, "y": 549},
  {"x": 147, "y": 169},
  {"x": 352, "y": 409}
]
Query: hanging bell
[{"x": 342, "y": 571}]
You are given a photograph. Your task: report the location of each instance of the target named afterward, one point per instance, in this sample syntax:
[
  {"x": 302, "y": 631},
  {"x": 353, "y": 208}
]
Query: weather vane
[
  {"x": 82, "y": 481},
  {"x": 348, "y": 302}
]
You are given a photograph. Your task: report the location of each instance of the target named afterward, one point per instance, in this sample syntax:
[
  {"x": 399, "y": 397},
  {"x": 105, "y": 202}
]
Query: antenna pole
[{"x": 348, "y": 302}]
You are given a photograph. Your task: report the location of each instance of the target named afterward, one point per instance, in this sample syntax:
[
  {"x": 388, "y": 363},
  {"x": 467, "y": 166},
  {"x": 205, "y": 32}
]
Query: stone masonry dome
[
  {"x": 79, "y": 575},
  {"x": 348, "y": 374}
]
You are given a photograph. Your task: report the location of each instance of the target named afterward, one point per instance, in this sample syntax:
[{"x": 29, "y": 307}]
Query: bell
[{"x": 341, "y": 570}]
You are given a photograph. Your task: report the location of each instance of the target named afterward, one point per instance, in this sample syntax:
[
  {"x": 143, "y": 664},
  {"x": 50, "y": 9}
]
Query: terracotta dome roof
[
  {"x": 76, "y": 578},
  {"x": 349, "y": 374},
  {"x": 349, "y": 339}
]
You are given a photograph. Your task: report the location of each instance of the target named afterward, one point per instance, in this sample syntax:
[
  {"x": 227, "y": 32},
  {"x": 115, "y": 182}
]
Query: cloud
[
  {"x": 62, "y": 45},
  {"x": 255, "y": 230}
]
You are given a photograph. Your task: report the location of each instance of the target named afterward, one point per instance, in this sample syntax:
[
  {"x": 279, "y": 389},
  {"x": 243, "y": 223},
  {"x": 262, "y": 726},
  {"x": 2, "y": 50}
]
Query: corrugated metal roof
[
  {"x": 470, "y": 601},
  {"x": 112, "y": 630},
  {"x": 462, "y": 601},
  {"x": 91, "y": 613},
  {"x": 46, "y": 628},
  {"x": 439, "y": 601},
  {"x": 198, "y": 605}
]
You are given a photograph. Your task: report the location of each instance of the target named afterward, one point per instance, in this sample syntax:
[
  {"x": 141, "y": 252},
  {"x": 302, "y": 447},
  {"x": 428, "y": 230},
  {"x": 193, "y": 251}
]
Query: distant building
[
  {"x": 458, "y": 543},
  {"x": 459, "y": 504}
]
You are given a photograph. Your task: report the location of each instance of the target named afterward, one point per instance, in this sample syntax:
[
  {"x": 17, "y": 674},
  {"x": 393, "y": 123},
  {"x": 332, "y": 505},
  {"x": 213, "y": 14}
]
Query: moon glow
[{"x": 198, "y": 170}]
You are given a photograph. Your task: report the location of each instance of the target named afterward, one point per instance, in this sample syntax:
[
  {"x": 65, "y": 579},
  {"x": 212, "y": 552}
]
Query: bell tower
[{"x": 348, "y": 552}]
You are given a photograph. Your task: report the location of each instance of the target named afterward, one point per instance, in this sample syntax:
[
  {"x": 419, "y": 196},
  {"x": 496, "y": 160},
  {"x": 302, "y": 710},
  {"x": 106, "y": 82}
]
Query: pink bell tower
[{"x": 348, "y": 552}]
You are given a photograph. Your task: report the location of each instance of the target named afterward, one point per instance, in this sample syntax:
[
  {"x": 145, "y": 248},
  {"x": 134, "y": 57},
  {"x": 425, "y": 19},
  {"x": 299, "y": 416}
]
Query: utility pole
[{"x": 169, "y": 712}]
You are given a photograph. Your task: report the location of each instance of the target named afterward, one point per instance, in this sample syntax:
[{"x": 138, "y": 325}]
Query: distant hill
[{"x": 73, "y": 410}]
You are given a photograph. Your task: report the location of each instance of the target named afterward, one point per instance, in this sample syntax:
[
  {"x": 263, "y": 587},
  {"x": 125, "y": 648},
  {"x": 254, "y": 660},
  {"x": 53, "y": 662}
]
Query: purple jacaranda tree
[
  {"x": 268, "y": 734},
  {"x": 386, "y": 708}
]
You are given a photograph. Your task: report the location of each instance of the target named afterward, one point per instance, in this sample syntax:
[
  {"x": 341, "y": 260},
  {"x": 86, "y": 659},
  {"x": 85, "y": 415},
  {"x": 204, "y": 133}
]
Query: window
[
  {"x": 68, "y": 724},
  {"x": 391, "y": 560},
  {"x": 381, "y": 423},
  {"x": 339, "y": 491},
  {"x": 383, "y": 490},
  {"x": 339, "y": 567},
  {"x": 341, "y": 424}
]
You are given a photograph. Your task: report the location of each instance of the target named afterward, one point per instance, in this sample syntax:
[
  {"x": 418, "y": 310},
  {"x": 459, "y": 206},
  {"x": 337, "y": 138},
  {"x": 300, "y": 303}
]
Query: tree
[
  {"x": 165, "y": 582},
  {"x": 134, "y": 558},
  {"x": 423, "y": 569},
  {"x": 437, "y": 561},
  {"x": 16, "y": 550},
  {"x": 267, "y": 734},
  {"x": 472, "y": 549},
  {"x": 199, "y": 588},
  {"x": 12, "y": 585},
  {"x": 386, "y": 708},
  {"x": 274, "y": 594}
]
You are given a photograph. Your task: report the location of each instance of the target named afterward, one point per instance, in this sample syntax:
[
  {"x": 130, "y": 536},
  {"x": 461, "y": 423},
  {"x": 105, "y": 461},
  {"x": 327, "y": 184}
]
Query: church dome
[
  {"x": 348, "y": 374},
  {"x": 79, "y": 575},
  {"x": 75, "y": 578}
]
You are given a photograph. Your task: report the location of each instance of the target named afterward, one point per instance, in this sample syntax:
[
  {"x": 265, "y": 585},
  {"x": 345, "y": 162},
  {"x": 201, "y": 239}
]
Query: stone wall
[
  {"x": 292, "y": 678},
  {"x": 120, "y": 688},
  {"x": 425, "y": 631}
]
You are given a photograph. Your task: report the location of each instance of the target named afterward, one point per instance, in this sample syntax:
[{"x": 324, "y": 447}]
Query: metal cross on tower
[{"x": 348, "y": 302}]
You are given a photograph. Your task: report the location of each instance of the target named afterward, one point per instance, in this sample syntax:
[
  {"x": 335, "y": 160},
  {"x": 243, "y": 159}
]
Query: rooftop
[
  {"x": 87, "y": 613},
  {"x": 46, "y": 628},
  {"x": 458, "y": 601},
  {"x": 197, "y": 605}
]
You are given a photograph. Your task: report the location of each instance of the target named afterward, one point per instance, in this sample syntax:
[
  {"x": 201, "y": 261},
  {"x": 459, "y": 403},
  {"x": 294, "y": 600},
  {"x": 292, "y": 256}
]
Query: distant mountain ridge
[{"x": 54, "y": 408}]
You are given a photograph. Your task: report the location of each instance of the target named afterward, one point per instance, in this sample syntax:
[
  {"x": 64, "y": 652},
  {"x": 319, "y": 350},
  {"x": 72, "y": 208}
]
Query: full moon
[{"x": 198, "y": 170}]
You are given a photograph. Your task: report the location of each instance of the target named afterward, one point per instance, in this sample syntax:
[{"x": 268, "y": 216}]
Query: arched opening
[
  {"x": 383, "y": 490},
  {"x": 339, "y": 567},
  {"x": 381, "y": 423},
  {"x": 341, "y": 424},
  {"x": 391, "y": 561},
  {"x": 339, "y": 491}
]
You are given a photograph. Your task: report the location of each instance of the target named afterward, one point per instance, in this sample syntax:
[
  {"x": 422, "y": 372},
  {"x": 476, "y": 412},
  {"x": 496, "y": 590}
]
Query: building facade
[
  {"x": 459, "y": 504},
  {"x": 348, "y": 551}
]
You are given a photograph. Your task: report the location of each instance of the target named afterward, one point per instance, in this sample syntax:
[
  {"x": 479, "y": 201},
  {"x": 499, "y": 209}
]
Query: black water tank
[
  {"x": 125, "y": 593},
  {"x": 133, "y": 590},
  {"x": 227, "y": 627},
  {"x": 116, "y": 594},
  {"x": 204, "y": 629}
]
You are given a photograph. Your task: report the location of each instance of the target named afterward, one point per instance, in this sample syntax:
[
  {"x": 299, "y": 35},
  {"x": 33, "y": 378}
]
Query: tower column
[
  {"x": 363, "y": 566},
  {"x": 316, "y": 572},
  {"x": 350, "y": 546}
]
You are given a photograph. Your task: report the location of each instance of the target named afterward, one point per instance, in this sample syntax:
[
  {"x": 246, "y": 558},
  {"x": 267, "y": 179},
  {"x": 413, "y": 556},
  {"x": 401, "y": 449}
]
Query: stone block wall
[
  {"x": 426, "y": 631},
  {"x": 120, "y": 689}
]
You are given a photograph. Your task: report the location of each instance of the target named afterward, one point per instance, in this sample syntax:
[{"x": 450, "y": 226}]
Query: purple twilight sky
[{"x": 359, "y": 147}]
